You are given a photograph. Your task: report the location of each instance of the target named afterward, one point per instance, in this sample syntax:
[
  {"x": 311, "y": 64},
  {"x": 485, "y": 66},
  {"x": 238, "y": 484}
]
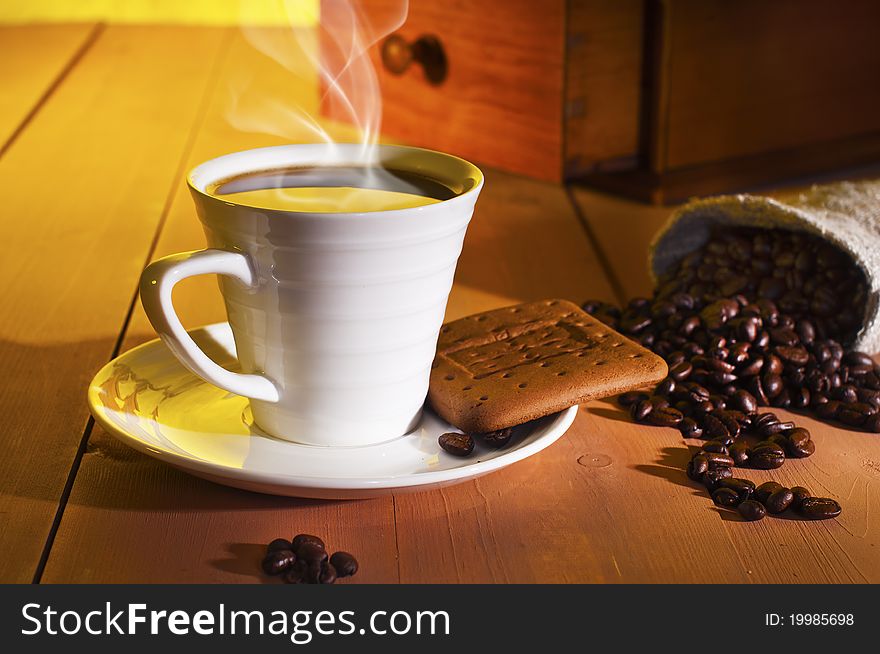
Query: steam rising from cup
[{"x": 334, "y": 49}]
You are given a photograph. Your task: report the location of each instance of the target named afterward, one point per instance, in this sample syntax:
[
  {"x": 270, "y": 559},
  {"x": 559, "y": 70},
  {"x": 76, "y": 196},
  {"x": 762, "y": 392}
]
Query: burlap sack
[{"x": 845, "y": 213}]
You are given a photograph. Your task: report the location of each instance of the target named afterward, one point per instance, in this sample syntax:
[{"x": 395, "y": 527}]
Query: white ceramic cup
[{"x": 335, "y": 315}]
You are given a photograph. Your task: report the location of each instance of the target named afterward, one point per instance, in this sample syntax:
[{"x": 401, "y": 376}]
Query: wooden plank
[
  {"x": 35, "y": 57},
  {"x": 773, "y": 551},
  {"x": 132, "y": 519},
  {"x": 83, "y": 189}
]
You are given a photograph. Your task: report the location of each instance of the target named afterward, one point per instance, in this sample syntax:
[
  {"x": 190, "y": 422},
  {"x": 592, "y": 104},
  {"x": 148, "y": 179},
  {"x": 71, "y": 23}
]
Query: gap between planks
[{"x": 210, "y": 87}]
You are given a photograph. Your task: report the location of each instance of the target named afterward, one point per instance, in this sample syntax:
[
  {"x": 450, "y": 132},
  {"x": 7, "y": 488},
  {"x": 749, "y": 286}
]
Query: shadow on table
[{"x": 244, "y": 560}]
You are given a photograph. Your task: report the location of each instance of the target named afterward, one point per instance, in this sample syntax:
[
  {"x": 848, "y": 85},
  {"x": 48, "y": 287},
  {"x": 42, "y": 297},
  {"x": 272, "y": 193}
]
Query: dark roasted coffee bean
[
  {"x": 765, "y": 490},
  {"x": 765, "y": 418},
  {"x": 665, "y": 417},
  {"x": 770, "y": 428},
  {"x": 742, "y": 487},
  {"x": 819, "y": 508},
  {"x": 872, "y": 424},
  {"x": 800, "y": 397},
  {"x": 799, "y": 493},
  {"x": 770, "y": 446},
  {"x": 750, "y": 368},
  {"x": 828, "y": 411},
  {"x": 766, "y": 459},
  {"x": 731, "y": 424},
  {"x": 718, "y": 401},
  {"x": 744, "y": 401},
  {"x": 277, "y": 561},
  {"x": 498, "y": 438},
  {"x": 725, "y": 497},
  {"x": 847, "y": 394},
  {"x": 782, "y": 336},
  {"x": 751, "y": 510},
  {"x": 714, "y": 428},
  {"x": 311, "y": 553},
  {"x": 739, "y": 452},
  {"x": 463, "y": 444},
  {"x": 801, "y": 451},
  {"x": 806, "y": 331},
  {"x": 779, "y": 501},
  {"x": 640, "y": 410},
  {"x": 851, "y": 417},
  {"x": 279, "y": 544},
  {"x": 773, "y": 365},
  {"x": 696, "y": 467},
  {"x": 681, "y": 371},
  {"x": 296, "y": 574},
  {"x": 756, "y": 388},
  {"x": 796, "y": 356},
  {"x": 772, "y": 384},
  {"x": 328, "y": 574},
  {"x": 666, "y": 387},
  {"x": 344, "y": 563},
  {"x": 854, "y": 357},
  {"x": 718, "y": 460},
  {"x": 689, "y": 428},
  {"x": 301, "y": 539},
  {"x": 712, "y": 477},
  {"x": 779, "y": 439},
  {"x": 797, "y": 436},
  {"x": 631, "y": 397},
  {"x": 716, "y": 447}
]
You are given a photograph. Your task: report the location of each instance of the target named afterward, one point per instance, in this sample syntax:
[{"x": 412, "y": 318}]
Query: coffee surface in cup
[{"x": 341, "y": 189}]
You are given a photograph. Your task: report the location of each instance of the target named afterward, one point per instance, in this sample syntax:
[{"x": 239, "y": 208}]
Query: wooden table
[{"x": 98, "y": 125}]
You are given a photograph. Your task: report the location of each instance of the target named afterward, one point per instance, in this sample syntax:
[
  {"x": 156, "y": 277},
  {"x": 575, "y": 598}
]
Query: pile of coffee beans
[
  {"x": 755, "y": 318},
  {"x": 304, "y": 560},
  {"x": 459, "y": 444}
]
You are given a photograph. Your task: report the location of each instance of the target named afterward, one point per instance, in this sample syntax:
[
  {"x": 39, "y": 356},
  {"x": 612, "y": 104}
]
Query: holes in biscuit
[
  {"x": 449, "y": 377},
  {"x": 616, "y": 344},
  {"x": 600, "y": 363},
  {"x": 560, "y": 374},
  {"x": 523, "y": 385},
  {"x": 544, "y": 364},
  {"x": 635, "y": 356},
  {"x": 484, "y": 398},
  {"x": 481, "y": 318},
  {"x": 467, "y": 388},
  {"x": 507, "y": 375},
  {"x": 553, "y": 303}
]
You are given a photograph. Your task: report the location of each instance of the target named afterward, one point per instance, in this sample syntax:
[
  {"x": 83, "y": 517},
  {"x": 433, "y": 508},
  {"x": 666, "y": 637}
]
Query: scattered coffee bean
[
  {"x": 744, "y": 488},
  {"x": 497, "y": 439},
  {"x": 311, "y": 553},
  {"x": 277, "y": 561},
  {"x": 328, "y": 574},
  {"x": 631, "y": 397},
  {"x": 751, "y": 510},
  {"x": 779, "y": 501},
  {"x": 456, "y": 443},
  {"x": 725, "y": 497},
  {"x": 712, "y": 477},
  {"x": 296, "y": 574},
  {"x": 301, "y": 539},
  {"x": 799, "y": 493},
  {"x": 344, "y": 563},
  {"x": 765, "y": 490},
  {"x": 279, "y": 544},
  {"x": 819, "y": 508}
]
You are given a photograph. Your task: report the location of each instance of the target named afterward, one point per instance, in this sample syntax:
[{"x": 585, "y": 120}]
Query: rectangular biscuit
[{"x": 507, "y": 366}]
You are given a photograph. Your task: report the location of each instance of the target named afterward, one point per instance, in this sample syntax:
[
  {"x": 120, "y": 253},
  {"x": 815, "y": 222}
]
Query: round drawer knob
[{"x": 397, "y": 55}]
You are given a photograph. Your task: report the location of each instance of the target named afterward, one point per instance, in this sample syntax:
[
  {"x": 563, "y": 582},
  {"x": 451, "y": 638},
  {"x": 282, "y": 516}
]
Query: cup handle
[{"x": 157, "y": 282}]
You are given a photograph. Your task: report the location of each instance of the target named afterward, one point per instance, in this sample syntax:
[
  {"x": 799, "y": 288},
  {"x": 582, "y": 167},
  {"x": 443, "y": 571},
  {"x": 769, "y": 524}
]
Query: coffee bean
[
  {"x": 296, "y": 574},
  {"x": 344, "y": 563},
  {"x": 725, "y": 497},
  {"x": 301, "y": 539},
  {"x": 713, "y": 476},
  {"x": 497, "y": 439},
  {"x": 698, "y": 465},
  {"x": 770, "y": 428},
  {"x": 765, "y": 490},
  {"x": 744, "y": 401},
  {"x": 311, "y": 553},
  {"x": 716, "y": 447},
  {"x": 714, "y": 428},
  {"x": 665, "y": 417},
  {"x": 689, "y": 428},
  {"x": 277, "y": 561},
  {"x": 779, "y": 501},
  {"x": 718, "y": 460},
  {"x": 681, "y": 371},
  {"x": 739, "y": 452},
  {"x": 328, "y": 574},
  {"x": 819, "y": 508},
  {"x": 640, "y": 410},
  {"x": 279, "y": 544},
  {"x": 751, "y": 510},
  {"x": 798, "y": 495},
  {"x": 801, "y": 451},
  {"x": 742, "y": 487},
  {"x": 797, "y": 436},
  {"x": 872, "y": 424},
  {"x": 463, "y": 444},
  {"x": 766, "y": 460},
  {"x": 631, "y": 397},
  {"x": 796, "y": 356},
  {"x": 666, "y": 387},
  {"x": 828, "y": 410}
]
